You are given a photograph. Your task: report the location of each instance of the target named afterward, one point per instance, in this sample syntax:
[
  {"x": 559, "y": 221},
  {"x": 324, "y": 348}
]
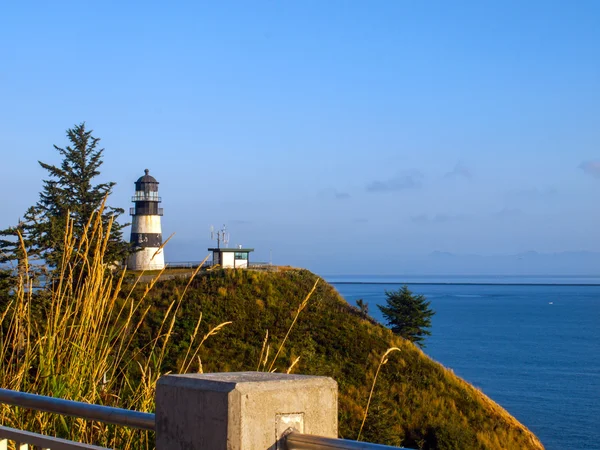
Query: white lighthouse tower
[{"x": 146, "y": 232}]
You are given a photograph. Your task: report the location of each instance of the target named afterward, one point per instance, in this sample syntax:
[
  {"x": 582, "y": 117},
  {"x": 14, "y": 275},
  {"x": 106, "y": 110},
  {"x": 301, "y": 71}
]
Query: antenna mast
[{"x": 221, "y": 235}]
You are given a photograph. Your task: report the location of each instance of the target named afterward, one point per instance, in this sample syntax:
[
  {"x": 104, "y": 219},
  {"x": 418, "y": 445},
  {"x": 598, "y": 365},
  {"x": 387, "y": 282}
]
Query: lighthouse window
[
  {"x": 141, "y": 196},
  {"x": 241, "y": 255}
]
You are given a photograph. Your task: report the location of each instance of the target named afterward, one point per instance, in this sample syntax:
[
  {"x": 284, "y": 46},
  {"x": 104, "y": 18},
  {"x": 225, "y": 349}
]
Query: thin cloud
[
  {"x": 420, "y": 219},
  {"x": 591, "y": 168},
  {"x": 401, "y": 182},
  {"x": 334, "y": 193},
  {"x": 423, "y": 219},
  {"x": 459, "y": 171}
]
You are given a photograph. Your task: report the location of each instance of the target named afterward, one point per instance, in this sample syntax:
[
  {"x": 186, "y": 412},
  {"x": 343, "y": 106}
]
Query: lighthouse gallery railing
[
  {"x": 148, "y": 211},
  {"x": 146, "y": 197}
]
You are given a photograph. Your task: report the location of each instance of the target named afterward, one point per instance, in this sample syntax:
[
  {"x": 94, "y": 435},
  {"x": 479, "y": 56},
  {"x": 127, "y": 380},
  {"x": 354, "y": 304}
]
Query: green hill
[{"x": 416, "y": 403}]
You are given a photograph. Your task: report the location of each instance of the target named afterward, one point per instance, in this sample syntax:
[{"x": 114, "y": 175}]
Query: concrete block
[{"x": 241, "y": 411}]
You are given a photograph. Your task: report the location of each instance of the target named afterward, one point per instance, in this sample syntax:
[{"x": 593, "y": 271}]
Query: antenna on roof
[{"x": 221, "y": 235}]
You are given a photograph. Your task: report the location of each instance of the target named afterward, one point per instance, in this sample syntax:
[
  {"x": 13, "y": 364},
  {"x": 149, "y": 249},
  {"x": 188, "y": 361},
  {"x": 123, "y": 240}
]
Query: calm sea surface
[{"x": 531, "y": 344}]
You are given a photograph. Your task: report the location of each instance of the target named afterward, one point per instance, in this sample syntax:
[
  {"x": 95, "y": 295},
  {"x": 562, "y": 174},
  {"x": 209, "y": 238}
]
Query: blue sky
[{"x": 343, "y": 136}]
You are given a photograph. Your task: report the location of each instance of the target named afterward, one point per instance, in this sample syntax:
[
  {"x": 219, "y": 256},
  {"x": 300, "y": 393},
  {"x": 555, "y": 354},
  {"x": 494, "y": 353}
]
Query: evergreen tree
[
  {"x": 408, "y": 315},
  {"x": 69, "y": 193},
  {"x": 5, "y": 284}
]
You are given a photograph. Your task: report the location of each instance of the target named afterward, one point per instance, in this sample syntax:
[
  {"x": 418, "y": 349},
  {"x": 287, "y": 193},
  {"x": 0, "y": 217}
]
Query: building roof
[
  {"x": 228, "y": 250},
  {"x": 146, "y": 178}
]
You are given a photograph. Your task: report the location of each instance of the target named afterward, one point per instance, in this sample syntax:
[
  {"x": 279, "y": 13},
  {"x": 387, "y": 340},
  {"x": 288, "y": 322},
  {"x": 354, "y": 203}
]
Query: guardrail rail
[
  {"x": 106, "y": 414},
  {"x": 301, "y": 441},
  {"x": 177, "y": 400}
]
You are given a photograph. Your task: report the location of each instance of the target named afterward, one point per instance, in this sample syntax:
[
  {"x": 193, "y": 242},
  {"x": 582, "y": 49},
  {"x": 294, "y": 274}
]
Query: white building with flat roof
[{"x": 231, "y": 258}]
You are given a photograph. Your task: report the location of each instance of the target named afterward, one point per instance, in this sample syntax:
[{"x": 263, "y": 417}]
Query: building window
[{"x": 241, "y": 255}]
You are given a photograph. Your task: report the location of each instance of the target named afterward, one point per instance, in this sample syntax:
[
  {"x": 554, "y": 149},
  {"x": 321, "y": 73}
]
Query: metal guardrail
[
  {"x": 21, "y": 437},
  {"x": 107, "y": 414},
  {"x": 300, "y": 441},
  {"x": 209, "y": 263},
  {"x": 129, "y": 418},
  {"x": 187, "y": 264}
]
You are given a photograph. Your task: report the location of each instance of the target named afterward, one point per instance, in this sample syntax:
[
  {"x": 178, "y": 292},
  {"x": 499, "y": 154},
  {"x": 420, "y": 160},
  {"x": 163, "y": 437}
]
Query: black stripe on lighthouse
[{"x": 146, "y": 239}]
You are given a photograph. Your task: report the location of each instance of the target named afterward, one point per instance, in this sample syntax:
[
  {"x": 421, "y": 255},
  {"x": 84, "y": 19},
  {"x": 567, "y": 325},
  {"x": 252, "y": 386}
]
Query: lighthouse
[{"x": 146, "y": 232}]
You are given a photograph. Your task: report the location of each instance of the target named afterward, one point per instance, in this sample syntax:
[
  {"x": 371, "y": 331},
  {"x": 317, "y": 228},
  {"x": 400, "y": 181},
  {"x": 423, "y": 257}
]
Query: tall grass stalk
[
  {"x": 293, "y": 365},
  {"x": 298, "y": 311},
  {"x": 384, "y": 359},
  {"x": 262, "y": 350}
]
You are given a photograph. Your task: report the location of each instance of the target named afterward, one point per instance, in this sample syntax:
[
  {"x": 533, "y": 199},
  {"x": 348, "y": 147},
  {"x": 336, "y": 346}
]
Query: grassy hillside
[{"x": 416, "y": 403}]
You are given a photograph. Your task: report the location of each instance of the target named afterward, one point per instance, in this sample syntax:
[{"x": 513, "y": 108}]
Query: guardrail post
[{"x": 241, "y": 411}]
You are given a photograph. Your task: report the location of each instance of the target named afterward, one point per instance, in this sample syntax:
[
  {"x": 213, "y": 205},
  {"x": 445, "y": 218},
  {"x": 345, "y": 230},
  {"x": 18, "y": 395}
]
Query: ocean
[{"x": 531, "y": 344}]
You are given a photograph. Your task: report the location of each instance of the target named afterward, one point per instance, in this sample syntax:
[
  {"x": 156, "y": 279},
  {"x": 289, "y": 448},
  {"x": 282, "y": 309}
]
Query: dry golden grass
[{"x": 81, "y": 347}]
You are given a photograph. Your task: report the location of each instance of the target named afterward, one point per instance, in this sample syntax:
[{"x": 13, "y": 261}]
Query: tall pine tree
[
  {"x": 69, "y": 192},
  {"x": 408, "y": 315}
]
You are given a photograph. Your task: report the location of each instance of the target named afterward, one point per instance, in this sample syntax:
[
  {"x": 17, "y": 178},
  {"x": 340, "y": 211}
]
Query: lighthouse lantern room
[{"x": 146, "y": 232}]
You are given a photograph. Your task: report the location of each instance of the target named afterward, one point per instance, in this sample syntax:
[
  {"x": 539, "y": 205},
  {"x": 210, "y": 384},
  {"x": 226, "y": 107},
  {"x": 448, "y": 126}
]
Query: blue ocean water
[{"x": 531, "y": 344}]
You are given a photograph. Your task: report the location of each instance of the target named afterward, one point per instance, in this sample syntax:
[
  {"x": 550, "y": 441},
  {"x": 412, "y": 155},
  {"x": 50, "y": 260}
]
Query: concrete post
[{"x": 241, "y": 411}]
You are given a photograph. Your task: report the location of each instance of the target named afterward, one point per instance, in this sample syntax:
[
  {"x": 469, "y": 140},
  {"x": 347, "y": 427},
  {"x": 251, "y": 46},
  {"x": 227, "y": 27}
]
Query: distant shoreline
[{"x": 459, "y": 283}]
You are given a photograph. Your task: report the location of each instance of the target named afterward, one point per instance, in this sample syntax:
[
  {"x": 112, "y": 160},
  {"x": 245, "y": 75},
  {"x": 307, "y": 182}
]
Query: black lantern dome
[
  {"x": 147, "y": 179},
  {"x": 146, "y": 197}
]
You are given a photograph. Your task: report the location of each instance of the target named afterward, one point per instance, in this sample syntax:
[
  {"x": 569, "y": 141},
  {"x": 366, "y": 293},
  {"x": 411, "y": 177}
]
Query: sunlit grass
[
  {"x": 80, "y": 347},
  {"x": 396, "y": 397}
]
